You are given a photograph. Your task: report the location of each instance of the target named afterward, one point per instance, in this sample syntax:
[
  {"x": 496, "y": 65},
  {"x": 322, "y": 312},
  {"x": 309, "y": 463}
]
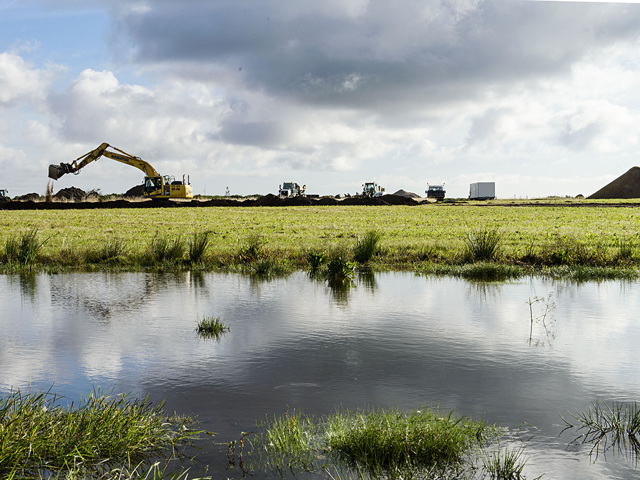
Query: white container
[{"x": 482, "y": 191}]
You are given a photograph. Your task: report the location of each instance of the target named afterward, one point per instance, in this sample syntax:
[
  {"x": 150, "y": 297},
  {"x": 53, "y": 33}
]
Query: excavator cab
[{"x": 153, "y": 185}]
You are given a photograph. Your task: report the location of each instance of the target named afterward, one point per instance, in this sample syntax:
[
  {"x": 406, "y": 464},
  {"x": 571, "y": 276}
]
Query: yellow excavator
[{"x": 155, "y": 186}]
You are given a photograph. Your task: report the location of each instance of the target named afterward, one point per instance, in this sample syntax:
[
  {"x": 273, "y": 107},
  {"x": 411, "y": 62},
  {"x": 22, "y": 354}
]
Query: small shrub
[
  {"x": 483, "y": 244},
  {"x": 339, "y": 269},
  {"x": 315, "y": 260},
  {"x": 252, "y": 250},
  {"x": 198, "y": 244},
  {"x": 367, "y": 246}
]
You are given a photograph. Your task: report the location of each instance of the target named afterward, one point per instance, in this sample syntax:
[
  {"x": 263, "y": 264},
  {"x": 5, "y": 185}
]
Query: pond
[{"x": 393, "y": 340}]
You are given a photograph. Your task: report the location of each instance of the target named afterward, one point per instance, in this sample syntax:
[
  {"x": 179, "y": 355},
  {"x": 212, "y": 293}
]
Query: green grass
[
  {"x": 41, "y": 436},
  {"x": 211, "y": 327},
  {"x": 530, "y": 237},
  {"x": 607, "y": 427},
  {"x": 382, "y": 443}
]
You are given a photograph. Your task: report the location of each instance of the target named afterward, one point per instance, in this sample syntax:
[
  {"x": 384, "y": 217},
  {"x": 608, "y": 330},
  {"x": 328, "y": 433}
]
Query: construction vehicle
[
  {"x": 372, "y": 189},
  {"x": 155, "y": 186},
  {"x": 436, "y": 192},
  {"x": 4, "y": 197},
  {"x": 291, "y": 189}
]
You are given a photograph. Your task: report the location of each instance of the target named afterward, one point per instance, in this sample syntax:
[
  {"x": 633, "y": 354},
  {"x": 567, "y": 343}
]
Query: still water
[{"x": 392, "y": 340}]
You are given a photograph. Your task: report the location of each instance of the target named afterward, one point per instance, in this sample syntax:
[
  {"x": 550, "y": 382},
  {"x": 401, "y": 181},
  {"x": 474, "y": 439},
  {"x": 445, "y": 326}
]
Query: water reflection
[{"x": 389, "y": 340}]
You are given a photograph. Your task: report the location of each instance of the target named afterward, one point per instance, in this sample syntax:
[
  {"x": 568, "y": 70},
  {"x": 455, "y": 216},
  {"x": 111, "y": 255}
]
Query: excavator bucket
[{"x": 56, "y": 171}]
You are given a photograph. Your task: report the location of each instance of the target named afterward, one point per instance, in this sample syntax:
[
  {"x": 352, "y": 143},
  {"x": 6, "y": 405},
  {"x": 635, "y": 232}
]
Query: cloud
[
  {"x": 20, "y": 82},
  {"x": 374, "y": 55}
]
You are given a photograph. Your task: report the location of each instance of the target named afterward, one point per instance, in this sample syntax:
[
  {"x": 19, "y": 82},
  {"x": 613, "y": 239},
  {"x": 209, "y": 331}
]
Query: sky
[{"x": 540, "y": 97}]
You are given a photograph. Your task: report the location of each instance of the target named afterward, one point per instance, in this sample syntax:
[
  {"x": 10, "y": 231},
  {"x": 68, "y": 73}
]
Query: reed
[{"x": 41, "y": 437}]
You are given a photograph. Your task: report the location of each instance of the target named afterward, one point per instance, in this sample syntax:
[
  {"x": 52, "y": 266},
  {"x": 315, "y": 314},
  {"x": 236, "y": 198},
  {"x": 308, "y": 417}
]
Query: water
[{"x": 394, "y": 340}]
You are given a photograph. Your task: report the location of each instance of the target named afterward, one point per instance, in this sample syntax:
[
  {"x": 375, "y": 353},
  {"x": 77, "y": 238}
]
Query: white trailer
[{"x": 482, "y": 191}]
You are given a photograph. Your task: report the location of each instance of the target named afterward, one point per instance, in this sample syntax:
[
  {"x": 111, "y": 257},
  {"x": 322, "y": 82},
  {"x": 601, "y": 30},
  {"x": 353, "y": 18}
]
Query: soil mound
[
  {"x": 404, "y": 193},
  {"x": 327, "y": 201},
  {"x": 71, "y": 193},
  {"x": 28, "y": 197},
  {"x": 136, "y": 191},
  {"x": 625, "y": 186}
]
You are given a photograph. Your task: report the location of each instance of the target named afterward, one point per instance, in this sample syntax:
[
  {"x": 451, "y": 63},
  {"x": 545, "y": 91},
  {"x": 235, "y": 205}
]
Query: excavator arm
[{"x": 57, "y": 171}]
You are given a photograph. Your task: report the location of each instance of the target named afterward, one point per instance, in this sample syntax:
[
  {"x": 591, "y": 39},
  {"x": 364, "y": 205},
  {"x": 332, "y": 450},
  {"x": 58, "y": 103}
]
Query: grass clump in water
[
  {"x": 211, "y": 327},
  {"x": 367, "y": 246},
  {"x": 393, "y": 441},
  {"x": 608, "y": 426},
  {"x": 385, "y": 443},
  {"x": 40, "y": 437}
]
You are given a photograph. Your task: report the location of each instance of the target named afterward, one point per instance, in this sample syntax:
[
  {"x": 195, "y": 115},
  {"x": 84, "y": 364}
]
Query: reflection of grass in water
[
  {"x": 211, "y": 327},
  {"x": 38, "y": 436},
  {"x": 607, "y": 427},
  {"x": 381, "y": 444}
]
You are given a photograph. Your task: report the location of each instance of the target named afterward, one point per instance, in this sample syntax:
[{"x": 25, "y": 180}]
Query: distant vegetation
[{"x": 473, "y": 240}]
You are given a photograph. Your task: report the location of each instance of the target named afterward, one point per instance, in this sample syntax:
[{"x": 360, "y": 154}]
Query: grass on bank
[
  {"x": 271, "y": 241},
  {"x": 40, "y": 437},
  {"x": 384, "y": 444}
]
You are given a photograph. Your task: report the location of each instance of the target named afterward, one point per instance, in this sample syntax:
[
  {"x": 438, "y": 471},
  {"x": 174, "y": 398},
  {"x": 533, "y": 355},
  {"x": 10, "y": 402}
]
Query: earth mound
[
  {"x": 71, "y": 193},
  {"x": 28, "y": 197},
  {"x": 136, "y": 191},
  {"x": 404, "y": 193},
  {"x": 625, "y": 186}
]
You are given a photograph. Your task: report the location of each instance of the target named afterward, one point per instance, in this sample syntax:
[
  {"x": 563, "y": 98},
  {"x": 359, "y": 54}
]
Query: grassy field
[{"x": 411, "y": 236}]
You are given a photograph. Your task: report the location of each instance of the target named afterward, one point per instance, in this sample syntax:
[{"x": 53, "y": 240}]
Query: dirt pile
[
  {"x": 28, "y": 197},
  {"x": 625, "y": 186},
  {"x": 134, "y": 192},
  {"x": 71, "y": 193},
  {"x": 404, "y": 193}
]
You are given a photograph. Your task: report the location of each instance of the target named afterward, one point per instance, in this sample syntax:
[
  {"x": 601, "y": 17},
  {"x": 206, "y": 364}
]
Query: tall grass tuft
[
  {"x": 40, "y": 437},
  {"x": 483, "y": 244},
  {"x": 24, "y": 250},
  {"x": 113, "y": 249},
  {"x": 165, "y": 249},
  {"x": 197, "y": 246},
  {"x": 367, "y": 246}
]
